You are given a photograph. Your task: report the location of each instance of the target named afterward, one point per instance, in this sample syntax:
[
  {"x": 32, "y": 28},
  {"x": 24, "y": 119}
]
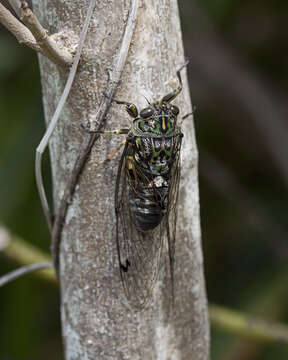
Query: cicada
[{"x": 146, "y": 195}]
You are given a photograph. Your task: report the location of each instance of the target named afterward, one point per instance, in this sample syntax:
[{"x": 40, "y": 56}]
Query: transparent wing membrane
[{"x": 141, "y": 253}]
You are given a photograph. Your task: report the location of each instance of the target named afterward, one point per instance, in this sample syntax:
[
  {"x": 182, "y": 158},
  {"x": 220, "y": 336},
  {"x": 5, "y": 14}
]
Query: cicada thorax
[{"x": 148, "y": 166}]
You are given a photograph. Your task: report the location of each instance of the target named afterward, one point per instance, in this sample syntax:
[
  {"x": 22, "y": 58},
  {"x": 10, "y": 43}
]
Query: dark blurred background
[{"x": 238, "y": 80}]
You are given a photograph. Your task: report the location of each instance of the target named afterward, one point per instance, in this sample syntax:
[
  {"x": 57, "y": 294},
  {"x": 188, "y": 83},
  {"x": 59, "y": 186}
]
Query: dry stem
[
  {"x": 20, "y": 31},
  {"x": 34, "y": 35},
  {"x": 48, "y": 45}
]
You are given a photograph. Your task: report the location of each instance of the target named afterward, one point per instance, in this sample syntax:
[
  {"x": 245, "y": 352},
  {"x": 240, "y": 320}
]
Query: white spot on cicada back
[{"x": 158, "y": 182}]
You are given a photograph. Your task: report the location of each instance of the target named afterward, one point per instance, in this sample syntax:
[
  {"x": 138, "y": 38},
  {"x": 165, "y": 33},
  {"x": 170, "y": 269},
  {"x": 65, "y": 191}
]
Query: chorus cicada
[{"x": 146, "y": 195}]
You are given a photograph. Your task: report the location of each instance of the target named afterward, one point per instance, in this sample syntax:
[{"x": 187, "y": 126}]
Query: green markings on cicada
[
  {"x": 158, "y": 125},
  {"x": 146, "y": 194},
  {"x": 162, "y": 154},
  {"x": 156, "y": 153},
  {"x": 131, "y": 169}
]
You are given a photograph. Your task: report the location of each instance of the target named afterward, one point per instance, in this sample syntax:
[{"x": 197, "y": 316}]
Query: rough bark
[{"x": 96, "y": 322}]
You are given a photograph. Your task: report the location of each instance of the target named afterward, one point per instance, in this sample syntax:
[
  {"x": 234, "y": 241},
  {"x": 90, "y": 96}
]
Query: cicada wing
[
  {"x": 171, "y": 223},
  {"x": 139, "y": 252}
]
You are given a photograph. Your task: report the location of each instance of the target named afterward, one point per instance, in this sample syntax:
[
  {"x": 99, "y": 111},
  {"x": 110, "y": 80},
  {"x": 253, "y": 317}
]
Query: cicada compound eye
[
  {"x": 132, "y": 110},
  {"x": 175, "y": 110},
  {"x": 147, "y": 112}
]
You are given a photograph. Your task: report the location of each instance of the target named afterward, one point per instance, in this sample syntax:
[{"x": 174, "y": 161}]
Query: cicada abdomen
[{"x": 149, "y": 162}]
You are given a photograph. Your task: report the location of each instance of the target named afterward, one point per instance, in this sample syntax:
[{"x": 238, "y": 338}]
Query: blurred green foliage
[
  {"x": 243, "y": 190},
  {"x": 29, "y": 310},
  {"x": 243, "y": 187}
]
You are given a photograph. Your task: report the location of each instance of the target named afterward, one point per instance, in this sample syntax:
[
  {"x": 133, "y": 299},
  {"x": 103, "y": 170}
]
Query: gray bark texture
[{"x": 96, "y": 321}]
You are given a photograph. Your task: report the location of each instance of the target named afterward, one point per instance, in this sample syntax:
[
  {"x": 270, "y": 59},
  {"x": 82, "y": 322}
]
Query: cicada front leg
[
  {"x": 180, "y": 122},
  {"x": 115, "y": 132},
  {"x": 173, "y": 94},
  {"x": 110, "y": 156},
  {"x": 129, "y": 107}
]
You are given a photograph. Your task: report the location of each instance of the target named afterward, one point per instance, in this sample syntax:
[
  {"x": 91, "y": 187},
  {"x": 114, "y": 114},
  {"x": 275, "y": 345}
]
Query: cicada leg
[
  {"x": 116, "y": 132},
  {"x": 110, "y": 156},
  {"x": 110, "y": 132},
  {"x": 172, "y": 95},
  {"x": 185, "y": 116},
  {"x": 180, "y": 122},
  {"x": 129, "y": 107}
]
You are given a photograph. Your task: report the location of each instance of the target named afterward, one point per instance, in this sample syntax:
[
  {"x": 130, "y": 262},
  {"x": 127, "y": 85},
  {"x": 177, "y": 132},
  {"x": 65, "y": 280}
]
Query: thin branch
[
  {"x": 43, "y": 144},
  {"x": 20, "y": 252},
  {"x": 13, "y": 275},
  {"x": 36, "y": 38},
  {"x": 244, "y": 325},
  {"x": 4, "y": 238},
  {"x": 89, "y": 139},
  {"x": 237, "y": 323},
  {"x": 20, "y": 31},
  {"x": 48, "y": 45}
]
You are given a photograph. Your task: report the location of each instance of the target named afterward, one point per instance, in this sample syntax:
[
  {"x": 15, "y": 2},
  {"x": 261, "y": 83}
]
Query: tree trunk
[{"x": 96, "y": 322}]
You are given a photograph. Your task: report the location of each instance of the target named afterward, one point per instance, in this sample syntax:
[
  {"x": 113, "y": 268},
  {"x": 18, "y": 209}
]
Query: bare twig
[
  {"x": 20, "y": 31},
  {"x": 43, "y": 144},
  {"x": 89, "y": 139},
  {"x": 48, "y": 45},
  {"x": 4, "y": 238},
  {"x": 248, "y": 326},
  {"x": 237, "y": 323},
  {"x": 33, "y": 35},
  {"x": 13, "y": 275},
  {"x": 20, "y": 252}
]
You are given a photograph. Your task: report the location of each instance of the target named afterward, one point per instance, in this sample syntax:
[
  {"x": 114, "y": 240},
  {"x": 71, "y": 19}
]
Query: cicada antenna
[{"x": 148, "y": 102}]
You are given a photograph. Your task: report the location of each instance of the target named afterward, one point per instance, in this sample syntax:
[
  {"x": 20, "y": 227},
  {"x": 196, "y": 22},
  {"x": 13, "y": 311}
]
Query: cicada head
[{"x": 160, "y": 117}]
